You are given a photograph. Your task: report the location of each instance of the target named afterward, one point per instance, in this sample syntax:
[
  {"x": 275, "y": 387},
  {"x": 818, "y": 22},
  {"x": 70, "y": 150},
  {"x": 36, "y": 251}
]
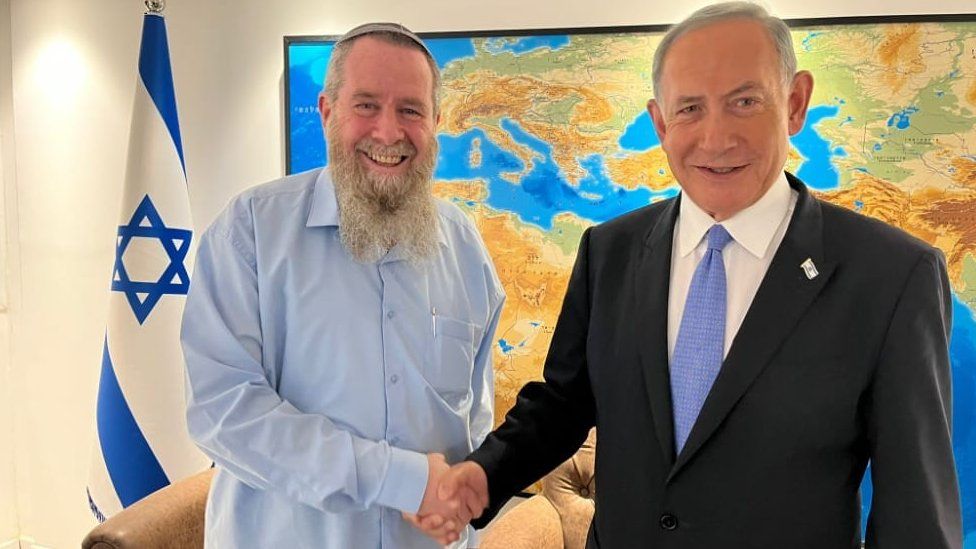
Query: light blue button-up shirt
[{"x": 317, "y": 384}]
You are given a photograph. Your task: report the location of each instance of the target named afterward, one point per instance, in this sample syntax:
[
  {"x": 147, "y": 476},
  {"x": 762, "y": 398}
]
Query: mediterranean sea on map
[{"x": 544, "y": 135}]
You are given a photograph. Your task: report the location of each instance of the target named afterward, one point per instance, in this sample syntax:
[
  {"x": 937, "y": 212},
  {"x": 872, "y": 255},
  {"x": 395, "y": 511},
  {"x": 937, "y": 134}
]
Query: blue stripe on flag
[
  {"x": 131, "y": 464},
  {"x": 157, "y": 77}
]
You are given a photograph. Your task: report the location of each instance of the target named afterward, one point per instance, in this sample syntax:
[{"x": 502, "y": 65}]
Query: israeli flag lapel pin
[{"x": 809, "y": 269}]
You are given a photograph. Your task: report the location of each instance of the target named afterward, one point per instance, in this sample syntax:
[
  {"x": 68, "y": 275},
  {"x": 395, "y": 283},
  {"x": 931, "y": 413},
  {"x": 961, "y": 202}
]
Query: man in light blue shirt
[{"x": 338, "y": 331}]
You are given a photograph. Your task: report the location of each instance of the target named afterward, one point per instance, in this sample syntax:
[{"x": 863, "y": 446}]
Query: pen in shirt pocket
[{"x": 433, "y": 319}]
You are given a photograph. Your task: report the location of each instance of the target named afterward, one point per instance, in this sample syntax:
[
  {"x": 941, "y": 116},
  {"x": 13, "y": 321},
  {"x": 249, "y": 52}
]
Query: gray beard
[{"x": 377, "y": 213}]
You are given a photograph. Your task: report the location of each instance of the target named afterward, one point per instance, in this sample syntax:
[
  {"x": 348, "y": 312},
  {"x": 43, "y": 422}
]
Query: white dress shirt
[{"x": 757, "y": 232}]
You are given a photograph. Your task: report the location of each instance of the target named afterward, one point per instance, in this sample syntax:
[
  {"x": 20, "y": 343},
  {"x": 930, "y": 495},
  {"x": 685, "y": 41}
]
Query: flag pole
[{"x": 155, "y": 6}]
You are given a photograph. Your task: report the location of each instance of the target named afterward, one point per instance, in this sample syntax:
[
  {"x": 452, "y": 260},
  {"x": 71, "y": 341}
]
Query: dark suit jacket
[{"x": 823, "y": 374}]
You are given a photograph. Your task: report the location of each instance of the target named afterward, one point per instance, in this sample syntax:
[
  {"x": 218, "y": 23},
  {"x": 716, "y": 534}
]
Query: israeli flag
[{"x": 143, "y": 443}]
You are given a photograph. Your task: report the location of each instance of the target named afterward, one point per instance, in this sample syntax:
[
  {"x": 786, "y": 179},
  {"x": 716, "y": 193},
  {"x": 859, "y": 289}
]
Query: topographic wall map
[{"x": 543, "y": 135}]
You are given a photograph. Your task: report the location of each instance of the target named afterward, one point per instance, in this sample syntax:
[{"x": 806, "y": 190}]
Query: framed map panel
[{"x": 545, "y": 132}]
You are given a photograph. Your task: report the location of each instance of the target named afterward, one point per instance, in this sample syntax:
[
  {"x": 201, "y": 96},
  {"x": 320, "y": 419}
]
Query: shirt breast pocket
[{"x": 453, "y": 361}]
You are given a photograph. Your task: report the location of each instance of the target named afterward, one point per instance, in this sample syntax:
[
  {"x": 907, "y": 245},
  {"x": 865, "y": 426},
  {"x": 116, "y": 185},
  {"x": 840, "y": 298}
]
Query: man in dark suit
[{"x": 743, "y": 349}]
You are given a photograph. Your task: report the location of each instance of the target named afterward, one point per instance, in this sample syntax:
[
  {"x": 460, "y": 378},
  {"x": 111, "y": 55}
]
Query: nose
[
  {"x": 718, "y": 134},
  {"x": 387, "y": 129}
]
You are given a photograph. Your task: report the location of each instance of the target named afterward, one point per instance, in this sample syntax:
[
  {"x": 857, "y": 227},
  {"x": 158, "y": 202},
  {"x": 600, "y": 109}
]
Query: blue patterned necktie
[{"x": 699, "y": 350}]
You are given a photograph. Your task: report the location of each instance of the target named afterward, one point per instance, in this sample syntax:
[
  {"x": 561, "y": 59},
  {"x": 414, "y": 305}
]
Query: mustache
[{"x": 369, "y": 145}]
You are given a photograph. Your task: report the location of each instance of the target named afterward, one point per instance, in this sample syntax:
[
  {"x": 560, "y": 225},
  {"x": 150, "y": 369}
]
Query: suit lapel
[
  {"x": 652, "y": 282},
  {"x": 784, "y": 295}
]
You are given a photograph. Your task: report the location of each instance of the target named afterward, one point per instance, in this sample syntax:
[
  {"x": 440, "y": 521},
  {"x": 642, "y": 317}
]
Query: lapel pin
[{"x": 809, "y": 269}]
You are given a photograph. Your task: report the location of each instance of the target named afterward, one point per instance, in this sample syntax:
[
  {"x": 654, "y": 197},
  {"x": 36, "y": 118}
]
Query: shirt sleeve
[{"x": 240, "y": 421}]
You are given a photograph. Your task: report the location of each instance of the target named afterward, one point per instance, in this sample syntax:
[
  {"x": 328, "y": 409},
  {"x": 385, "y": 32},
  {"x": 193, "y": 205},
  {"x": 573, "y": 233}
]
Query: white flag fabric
[{"x": 142, "y": 443}]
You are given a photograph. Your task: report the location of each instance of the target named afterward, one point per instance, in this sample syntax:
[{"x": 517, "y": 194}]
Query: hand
[
  {"x": 462, "y": 489},
  {"x": 467, "y": 484},
  {"x": 435, "y": 527},
  {"x": 438, "y": 518}
]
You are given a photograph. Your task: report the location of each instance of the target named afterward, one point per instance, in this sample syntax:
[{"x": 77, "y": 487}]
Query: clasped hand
[{"x": 453, "y": 497}]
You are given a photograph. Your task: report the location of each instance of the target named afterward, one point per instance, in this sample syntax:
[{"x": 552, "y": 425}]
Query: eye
[
  {"x": 690, "y": 109},
  {"x": 746, "y": 102},
  {"x": 411, "y": 112},
  {"x": 365, "y": 106}
]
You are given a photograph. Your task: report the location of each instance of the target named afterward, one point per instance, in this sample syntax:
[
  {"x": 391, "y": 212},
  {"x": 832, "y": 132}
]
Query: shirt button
[
  {"x": 390, "y": 314},
  {"x": 394, "y": 378},
  {"x": 668, "y": 522}
]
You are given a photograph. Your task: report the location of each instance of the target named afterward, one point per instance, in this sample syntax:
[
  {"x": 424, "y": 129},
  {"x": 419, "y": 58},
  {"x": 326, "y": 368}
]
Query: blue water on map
[
  {"x": 902, "y": 119},
  {"x": 526, "y": 44},
  {"x": 306, "y": 74},
  {"x": 446, "y": 50},
  {"x": 817, "y": 169},
  {"x": 504, "y": 346},
  {"x": 544, "y": 191},
  {"x": 639, "y": 135}
]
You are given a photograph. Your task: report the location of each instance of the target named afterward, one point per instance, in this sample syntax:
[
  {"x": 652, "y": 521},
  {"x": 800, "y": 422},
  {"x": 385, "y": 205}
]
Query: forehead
[
  {"x": 378, "y": 67},
  {"x": 720, "y": 56}
]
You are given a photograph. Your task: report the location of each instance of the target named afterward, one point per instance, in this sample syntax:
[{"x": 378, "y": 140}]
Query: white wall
[
  {"x": 8, "y": 514},
  {"x": 8, "y": 490},
  {"x": 73, "y": 77},
  {"x": 70, "y": 127}
]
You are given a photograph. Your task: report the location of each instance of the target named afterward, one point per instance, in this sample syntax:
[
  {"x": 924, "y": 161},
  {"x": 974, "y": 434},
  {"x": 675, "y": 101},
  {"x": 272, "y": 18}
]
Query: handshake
[{"x": 453, "y": 497}]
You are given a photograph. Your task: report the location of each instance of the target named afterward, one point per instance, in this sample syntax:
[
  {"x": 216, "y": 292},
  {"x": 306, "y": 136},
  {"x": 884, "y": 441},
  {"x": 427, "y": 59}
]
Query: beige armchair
[
  {"x": 559, "y": 516},
  {"x": 171, "y": 518}
]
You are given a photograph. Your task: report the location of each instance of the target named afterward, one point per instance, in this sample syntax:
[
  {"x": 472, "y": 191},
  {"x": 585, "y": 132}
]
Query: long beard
[{"x": 379, "y": 212}]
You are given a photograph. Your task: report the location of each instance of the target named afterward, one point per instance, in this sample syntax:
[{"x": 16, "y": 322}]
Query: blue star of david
[{"x": 143, "y": 296}]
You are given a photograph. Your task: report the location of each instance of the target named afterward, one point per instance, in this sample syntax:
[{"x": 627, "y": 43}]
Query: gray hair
[
  {"x": 778, "y": 32},
  {"x": 390, "y": 33}
]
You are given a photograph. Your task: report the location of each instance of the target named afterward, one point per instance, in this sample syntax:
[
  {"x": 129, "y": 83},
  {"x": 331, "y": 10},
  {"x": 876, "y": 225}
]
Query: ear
[
  {"x": 654, "y": 109},
  {"x": 437, "y": 119},
  {"x": 799, "y": 99},
  {"x": 325, "y": 108}
]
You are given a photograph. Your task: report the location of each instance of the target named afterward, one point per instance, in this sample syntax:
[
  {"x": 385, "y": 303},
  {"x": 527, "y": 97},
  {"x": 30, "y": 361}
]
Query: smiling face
[
  {"x": 380, "y": 132},
  {"x": 724, "y": 116},
  {"x": 383, "y": 114}
]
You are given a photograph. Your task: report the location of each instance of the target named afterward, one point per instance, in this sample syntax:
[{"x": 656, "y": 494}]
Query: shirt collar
[
  {"x": 325, "y": 208},
  {"x": 753, "y": 228}
]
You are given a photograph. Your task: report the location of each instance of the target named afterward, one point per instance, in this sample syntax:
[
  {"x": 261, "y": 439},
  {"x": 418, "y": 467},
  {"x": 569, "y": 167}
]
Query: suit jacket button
[{"x": 668, "y": 522}]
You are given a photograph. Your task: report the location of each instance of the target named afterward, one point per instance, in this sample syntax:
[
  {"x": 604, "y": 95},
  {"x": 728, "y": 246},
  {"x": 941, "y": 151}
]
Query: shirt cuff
[{"x": 406, "y": 481}]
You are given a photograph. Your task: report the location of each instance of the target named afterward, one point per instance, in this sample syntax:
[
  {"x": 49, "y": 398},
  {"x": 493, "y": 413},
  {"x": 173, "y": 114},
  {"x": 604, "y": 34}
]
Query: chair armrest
[
  {"x": 532, "y": 524},
  {"x": 169, "y": 518},
  {"x": 571, "y": 488}
]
